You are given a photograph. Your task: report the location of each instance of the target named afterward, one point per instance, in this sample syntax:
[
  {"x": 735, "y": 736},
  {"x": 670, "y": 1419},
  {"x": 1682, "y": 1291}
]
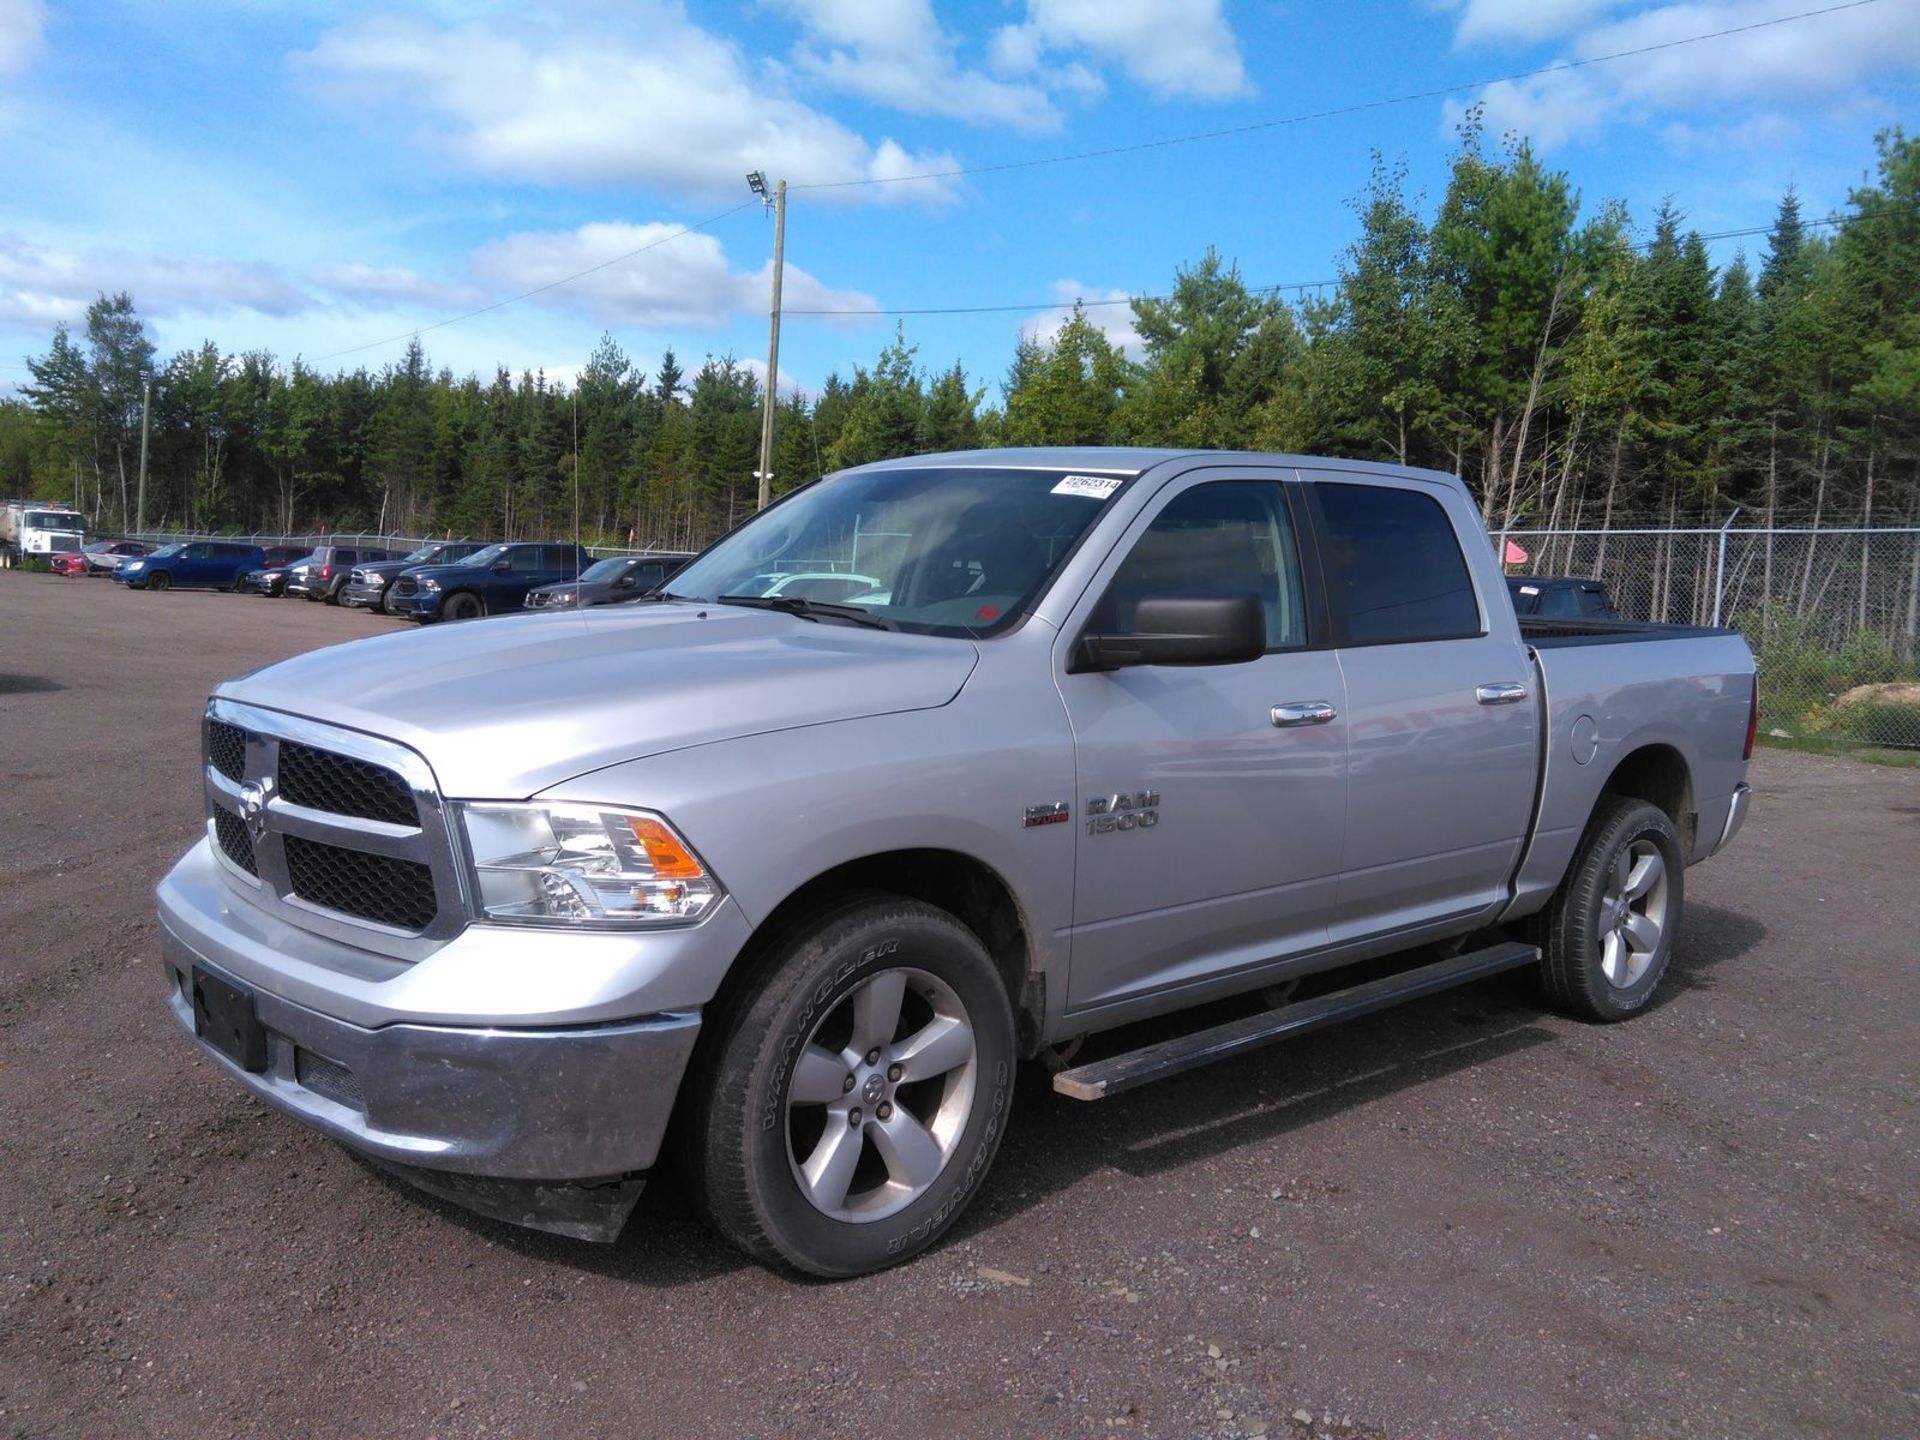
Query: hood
[
  {"x": 387, "y": 569},
  {"x": 507, "y": 707}
]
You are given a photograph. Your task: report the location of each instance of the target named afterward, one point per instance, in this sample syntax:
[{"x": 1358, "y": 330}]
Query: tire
[
  {"x": 385, "y": 603},
  {"x": 1608, "y": 933},
  {"x": 780, "y": 1094},
  {"x": 332, "y": 597},
  {"x": 462, "y": 605},
  {"x": 159, "y": 580},
  {"x": 239, "y": 585}
]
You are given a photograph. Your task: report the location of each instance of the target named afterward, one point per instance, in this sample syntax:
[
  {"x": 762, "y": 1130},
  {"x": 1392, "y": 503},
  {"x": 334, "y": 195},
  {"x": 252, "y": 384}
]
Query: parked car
[
  {"x": 606, "y": 582},
  {"x": 328, "y": 569},
  {"x": 1560, "y": 597},
  {"x": 106, "y": 556},
  {"x": 492, "y": 581},
  {"x": 272, "y": 580},
  {"x": 366, "y": 587},
  {"x": 98, "y": 557},
  {"x": 833, "y": 585},
  {"x": 214, "y": 564},
  {"x": 1135, "y": 731}
]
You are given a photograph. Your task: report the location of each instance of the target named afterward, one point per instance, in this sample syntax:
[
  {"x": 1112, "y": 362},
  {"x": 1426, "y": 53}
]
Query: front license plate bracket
[{"x": 223, "y": 1016}]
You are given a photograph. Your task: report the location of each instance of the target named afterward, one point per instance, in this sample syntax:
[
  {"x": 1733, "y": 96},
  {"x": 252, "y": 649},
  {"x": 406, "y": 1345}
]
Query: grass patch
[{"x": 1842, "y": 746}]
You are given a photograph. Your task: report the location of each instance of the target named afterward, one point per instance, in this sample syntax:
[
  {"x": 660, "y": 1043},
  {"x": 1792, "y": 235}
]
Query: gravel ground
[{"x": 1461, "y": 1218}]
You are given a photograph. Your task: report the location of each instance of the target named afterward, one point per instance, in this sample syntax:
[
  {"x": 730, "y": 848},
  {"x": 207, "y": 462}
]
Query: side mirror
[
  {"x": 501, "y": 566},
  {"x": 1181, "y": 630},
  {"x": 627, "y": 582}
]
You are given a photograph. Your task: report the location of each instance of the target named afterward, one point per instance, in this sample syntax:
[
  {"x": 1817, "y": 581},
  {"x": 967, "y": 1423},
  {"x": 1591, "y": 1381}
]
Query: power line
[
  {"x": 539, "y": 289},
  {"x": 1354, "y": 109},
  {"x": 1030, "y": 306}
]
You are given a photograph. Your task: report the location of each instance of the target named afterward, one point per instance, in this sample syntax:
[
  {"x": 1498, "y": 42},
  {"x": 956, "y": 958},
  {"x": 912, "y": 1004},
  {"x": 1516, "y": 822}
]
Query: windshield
[
  {"x": 55, "y": 520},
  {"x": 608, "y": 569},
  {"x": 482, "y": 557},
  {"x": 943, "y": 551},
  {"x": 165, "y": 550}
]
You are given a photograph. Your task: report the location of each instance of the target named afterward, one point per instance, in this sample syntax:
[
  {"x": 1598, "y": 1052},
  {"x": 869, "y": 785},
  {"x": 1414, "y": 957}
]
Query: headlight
[
  {"x": 427, "y": 584},
  {"x": 564, "y": 864}
]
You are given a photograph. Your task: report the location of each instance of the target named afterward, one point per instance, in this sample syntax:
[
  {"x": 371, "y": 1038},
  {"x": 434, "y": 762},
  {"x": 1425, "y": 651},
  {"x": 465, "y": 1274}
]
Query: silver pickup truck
[{"x": 1033, "y": 744}]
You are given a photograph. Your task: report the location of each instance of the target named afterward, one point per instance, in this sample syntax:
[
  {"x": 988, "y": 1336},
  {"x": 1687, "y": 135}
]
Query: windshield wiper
[{"x": 810, "y": 609}]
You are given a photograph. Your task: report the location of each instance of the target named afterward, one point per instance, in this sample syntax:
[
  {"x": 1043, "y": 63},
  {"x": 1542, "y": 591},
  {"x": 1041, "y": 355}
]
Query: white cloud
[
  {"x": 1181, "y": 48},
  {"x": 1496, "y": 21},
  {"x": 897, "y": 54},
  {"x": 23, "y": 26},
  {"x": 1113, "y": 321},
  {"x": 378, "y": 287},
  {"x": 686, "y": 283},
  {"x": 1822, "y": 58},
  {"x": 40, "y": 285},
  {"x": 653, "y": 101},
  {"x": 789, "y": 386}
]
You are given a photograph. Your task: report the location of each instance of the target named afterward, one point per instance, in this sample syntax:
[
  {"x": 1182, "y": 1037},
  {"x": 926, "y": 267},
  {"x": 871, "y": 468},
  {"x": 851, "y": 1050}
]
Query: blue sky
[{"x": 314, "y": 176}]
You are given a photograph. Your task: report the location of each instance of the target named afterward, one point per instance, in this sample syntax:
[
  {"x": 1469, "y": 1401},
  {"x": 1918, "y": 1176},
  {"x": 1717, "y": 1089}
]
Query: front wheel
[
  {"x": 159, "y": 580},
  {"x": 851, "y": 1104},
  {"x": 462, "y": 607},
  {"x": 1608, "y": 933}
]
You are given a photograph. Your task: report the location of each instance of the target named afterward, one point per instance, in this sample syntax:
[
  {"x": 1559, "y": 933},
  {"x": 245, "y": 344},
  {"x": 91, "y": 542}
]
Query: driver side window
[{"x": 1230, "y": 537}]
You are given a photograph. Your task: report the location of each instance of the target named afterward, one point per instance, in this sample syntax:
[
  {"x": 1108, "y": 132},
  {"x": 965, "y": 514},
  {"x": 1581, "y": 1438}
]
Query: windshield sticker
[{"x": 1093, "y": 487}]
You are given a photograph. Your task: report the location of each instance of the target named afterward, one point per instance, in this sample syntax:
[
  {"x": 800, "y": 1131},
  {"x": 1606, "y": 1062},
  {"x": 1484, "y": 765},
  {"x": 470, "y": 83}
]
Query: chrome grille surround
[{"x": 430, "y": 842}]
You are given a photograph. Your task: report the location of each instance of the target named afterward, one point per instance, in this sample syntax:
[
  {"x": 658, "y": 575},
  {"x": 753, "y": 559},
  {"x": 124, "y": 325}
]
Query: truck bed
[{"x": 1559, "y": 634}]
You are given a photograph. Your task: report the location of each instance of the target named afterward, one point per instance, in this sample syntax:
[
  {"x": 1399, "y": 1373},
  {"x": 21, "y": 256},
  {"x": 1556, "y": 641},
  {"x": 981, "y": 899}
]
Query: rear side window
[
  {"x": 1396, "y": 567},
  {"x": 558, "y": 557}
]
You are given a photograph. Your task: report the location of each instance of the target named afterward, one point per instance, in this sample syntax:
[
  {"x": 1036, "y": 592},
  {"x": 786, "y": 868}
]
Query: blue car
[
  {"x": 208, "y": 564},
  {"x": 492, "y": 581}
]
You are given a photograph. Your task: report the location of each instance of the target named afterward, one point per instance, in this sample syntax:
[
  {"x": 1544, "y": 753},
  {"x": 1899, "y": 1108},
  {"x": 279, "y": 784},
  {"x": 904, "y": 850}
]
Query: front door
[
  {"x": 1209, "y": 808},
  {"x": 1440, "y": 775}
]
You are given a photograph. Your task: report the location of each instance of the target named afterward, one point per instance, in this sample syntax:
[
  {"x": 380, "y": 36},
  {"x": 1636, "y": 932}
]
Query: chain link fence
[
  {"x": 1833, "y": 615},
  {"x": 358, "y": 539}
]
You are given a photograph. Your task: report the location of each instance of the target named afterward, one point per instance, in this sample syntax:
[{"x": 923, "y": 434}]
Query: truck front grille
[
  {"x": 227, "y": 749},
  {"x": 379, "y": 888},
  {"x": 342, "y": 785},
  {"x": 405, "y": 586},
  {"x": 235, "y": 843},
  {"x": 344, "y": 832}
]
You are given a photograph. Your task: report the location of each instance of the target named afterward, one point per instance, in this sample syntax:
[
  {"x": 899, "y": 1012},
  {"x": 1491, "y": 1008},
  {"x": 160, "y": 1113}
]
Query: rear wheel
[
  {"x": 159, "y": 580},
  {"x": 463, "y": 606},
  {"x": 1609, "y": 931},
  {"x": 851, "y": 1104}
]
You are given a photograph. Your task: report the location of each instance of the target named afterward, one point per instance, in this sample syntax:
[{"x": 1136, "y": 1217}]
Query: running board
[{"x": 1102, "y": 1078}]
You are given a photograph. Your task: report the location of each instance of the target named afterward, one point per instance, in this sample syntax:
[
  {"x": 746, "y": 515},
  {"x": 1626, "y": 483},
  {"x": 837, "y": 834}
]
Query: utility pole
[
  {"x": 771, "y": 399},
  {"x": 140, "y": 494}
]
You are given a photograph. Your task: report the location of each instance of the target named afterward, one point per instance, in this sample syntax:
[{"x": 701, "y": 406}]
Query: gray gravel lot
[{"x": 1462, "y": 1218}]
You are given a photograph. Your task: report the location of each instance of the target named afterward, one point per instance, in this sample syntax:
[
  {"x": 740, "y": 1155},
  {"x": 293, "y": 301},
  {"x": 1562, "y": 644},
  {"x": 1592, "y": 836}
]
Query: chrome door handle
[
  {"x": 1302, "y": 712},
  {"x": 1504, "y": 692}
]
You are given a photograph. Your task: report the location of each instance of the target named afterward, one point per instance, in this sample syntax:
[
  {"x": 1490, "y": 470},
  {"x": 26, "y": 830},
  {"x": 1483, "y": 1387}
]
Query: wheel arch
[
  {"x": 967, "y": 888},
  {"x": 1658, "y": 774}
]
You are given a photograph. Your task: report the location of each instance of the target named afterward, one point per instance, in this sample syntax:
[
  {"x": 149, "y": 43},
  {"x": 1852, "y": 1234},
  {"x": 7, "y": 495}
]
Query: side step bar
[{"x": 1101, "y": 1078}]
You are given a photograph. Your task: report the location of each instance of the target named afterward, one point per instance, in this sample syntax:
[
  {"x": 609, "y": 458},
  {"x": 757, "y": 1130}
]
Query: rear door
[
  {"x": 1441, "y": 739},
  {"x": 1209, "y": 801}
]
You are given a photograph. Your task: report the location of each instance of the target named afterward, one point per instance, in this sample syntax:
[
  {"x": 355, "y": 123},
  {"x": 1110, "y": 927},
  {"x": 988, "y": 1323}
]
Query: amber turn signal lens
[{"x": 669, "y": 858}]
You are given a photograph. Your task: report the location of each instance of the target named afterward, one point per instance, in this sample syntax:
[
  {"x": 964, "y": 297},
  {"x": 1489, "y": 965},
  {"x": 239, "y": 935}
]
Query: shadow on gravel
[
  {"x": 1052, "y": 1143},
  {"x": 27, "y": 685}
]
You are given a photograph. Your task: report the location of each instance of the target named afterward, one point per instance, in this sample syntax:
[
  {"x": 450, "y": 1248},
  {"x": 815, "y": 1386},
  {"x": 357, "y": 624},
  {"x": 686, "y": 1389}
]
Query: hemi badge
[{"x": 1057, "y": 813}]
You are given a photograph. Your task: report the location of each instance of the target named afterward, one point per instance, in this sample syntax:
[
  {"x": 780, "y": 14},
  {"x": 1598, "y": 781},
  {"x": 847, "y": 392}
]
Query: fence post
[{"x": 1720, "y": 569}]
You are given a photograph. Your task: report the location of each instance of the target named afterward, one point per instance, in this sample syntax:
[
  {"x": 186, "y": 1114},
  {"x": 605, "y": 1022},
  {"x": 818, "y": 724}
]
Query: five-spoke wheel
[
  {"x": 852, "y": 1088},
  {"x": 1608, "y": 932}
]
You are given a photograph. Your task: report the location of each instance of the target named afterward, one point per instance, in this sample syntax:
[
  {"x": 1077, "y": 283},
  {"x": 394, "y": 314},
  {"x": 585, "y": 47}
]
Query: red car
[{"x": 101, "y": 557}]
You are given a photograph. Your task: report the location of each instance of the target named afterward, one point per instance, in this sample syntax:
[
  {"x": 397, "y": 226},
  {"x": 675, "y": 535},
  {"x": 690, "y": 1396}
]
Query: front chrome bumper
[
  {"x": 572, "y": 1105},
  {"x": 561, "y": 1075}
]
